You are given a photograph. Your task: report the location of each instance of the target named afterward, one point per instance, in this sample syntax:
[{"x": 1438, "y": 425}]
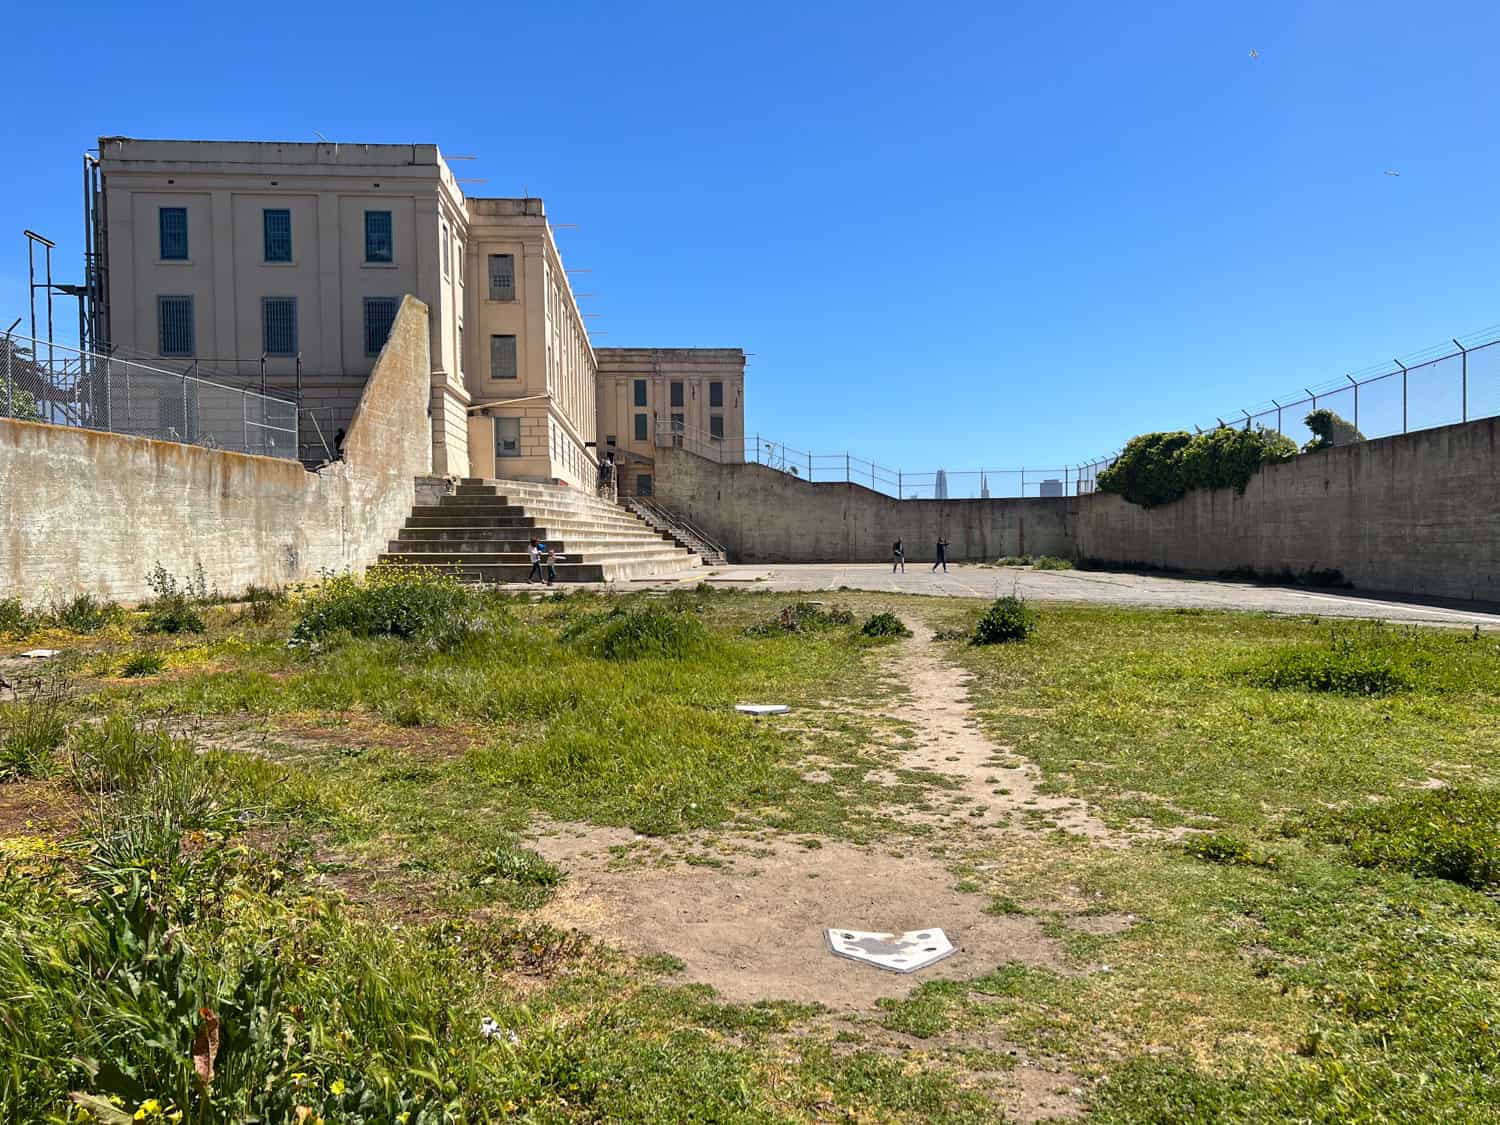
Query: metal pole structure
[
  {"x": 51, "y": 358},
  {"x": 1401, "y": 365},
  {"x": 757, "y": 448},
  {"x": 1246, "y": 413},
  {"x": 1314, "y": 397},
  {"x": 846, "y": 466},
  {"x": 1023, "y": 483},
  {"x": 1277, "y": 405},
  {"x": 1356, "y": 399},
  {"x": 1465, "y": 352},
  {"x": 262, "y": 374},
  {"x": 900, "y": 485},
  {"x": 299, "y": 393},
  {"x": 809, "y": 466},
  {"x": 184, "y": 410},
  {"x": 10, "y": 379}
]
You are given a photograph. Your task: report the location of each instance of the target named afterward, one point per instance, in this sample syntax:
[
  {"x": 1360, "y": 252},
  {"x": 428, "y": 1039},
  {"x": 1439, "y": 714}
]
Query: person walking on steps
[
  {"x": 942, "y": 554},
  {"x": 534, "y": 550},
  {"x": 898, "y": 557},
  {"x": 549, "y": 556}
]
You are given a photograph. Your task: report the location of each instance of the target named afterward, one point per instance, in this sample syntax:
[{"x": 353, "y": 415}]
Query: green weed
[
  {"x": 31, "y": 729},
  {"x": 1008, "y": 619},
  {"x": 147, "y": 662},
  {"x": 884, "y": 626}
]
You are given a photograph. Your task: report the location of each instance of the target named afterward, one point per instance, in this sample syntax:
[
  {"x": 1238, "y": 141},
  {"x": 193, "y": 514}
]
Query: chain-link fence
[
  {"x": 50, "y": 382},
  {"x": 1444, "y": 385},
  {"x": 1441, "y": 386}
]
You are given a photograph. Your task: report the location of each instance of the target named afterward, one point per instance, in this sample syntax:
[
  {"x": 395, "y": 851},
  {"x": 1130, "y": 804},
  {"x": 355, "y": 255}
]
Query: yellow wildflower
[
  {"x": 337, "y": 1087},
  {"x": 148, "y": 1108}
]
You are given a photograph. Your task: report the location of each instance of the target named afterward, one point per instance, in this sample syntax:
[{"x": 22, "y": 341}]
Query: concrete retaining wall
[
  {"x": 89, "y": 512},
  {"x": 763, "y": 515},
  {"x": 1413, "y": 514}
]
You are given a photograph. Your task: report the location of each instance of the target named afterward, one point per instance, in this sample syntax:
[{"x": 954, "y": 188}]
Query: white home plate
[
  {"x": 762, "y": 708},
  {"x": 900, "y": 953}
]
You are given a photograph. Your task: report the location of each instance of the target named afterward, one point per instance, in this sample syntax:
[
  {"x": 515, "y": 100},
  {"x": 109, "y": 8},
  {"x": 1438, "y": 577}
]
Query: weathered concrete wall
[
  {"x": 1414, "y": 514},
  {"x": 82, "y": 511},
  {"x": 763, "y": 515}
]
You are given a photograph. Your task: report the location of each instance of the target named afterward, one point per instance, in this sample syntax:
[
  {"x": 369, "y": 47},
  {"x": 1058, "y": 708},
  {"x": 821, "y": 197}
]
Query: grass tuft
[
  {"x": 885, "y": 626},
  {"x": 1008, "y": 619}
]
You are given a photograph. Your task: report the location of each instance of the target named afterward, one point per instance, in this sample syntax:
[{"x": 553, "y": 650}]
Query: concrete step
[
  {"x": 566, "y": 572},
  {"x": 522, "y": 534},
  {"x": 486, "y": 552},
  {"x": 677, "y": 561}
]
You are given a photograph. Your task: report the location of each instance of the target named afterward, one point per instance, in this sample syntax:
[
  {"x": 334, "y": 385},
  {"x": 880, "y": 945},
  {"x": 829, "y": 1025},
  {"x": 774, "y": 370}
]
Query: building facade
[
  {"x": 689, "y": 398},
  {"x": 241, "y": 259}
]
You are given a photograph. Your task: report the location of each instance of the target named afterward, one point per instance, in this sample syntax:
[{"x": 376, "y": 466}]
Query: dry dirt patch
[{"x": 753, "y": 929}]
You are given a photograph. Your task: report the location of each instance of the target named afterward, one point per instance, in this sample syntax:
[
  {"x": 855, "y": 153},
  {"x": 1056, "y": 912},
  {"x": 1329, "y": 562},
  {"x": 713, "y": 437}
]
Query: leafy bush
[
  {"x": 261, "y": 604},
  {"x": 802, "y": 617},
  {"x": 14, "y": 617},
  {"x": 31, "y": 728},
  {"x": 1328, "y": 430},
  {"x": 147, "y": 662},
  {"x": 519, "y": 876},
  {"x": 1451, "y": 833},
  {"x": 1008, "y": 619},
  {"x": 884, "y": 625},
  {"x": 1220, "y": 847},
  {"x": 1161, "y": 467},
  {"x": 171, "y": 611},
  {"x": 389, "y": 601},
  {"x": 629, "y": 634},
  {"x": 85, "y": 614},
  {"x": 1052, "y": 562},
  {"x": 1014, "y": 560}
]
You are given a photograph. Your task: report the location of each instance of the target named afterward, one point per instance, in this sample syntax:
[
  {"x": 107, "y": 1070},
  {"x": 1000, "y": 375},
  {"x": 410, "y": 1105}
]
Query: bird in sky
[
  {"x": 1254, "y": 54},
  {"x": 1390, "y": 173}
]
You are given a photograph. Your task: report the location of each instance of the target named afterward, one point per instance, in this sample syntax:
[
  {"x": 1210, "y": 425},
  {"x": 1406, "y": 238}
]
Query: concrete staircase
[{"x": 481, "y": 533}]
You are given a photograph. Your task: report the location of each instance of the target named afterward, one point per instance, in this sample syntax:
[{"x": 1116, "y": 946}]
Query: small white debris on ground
[
  {"x": 41, "y": 653},
  {"x": 762, "y": 708}
]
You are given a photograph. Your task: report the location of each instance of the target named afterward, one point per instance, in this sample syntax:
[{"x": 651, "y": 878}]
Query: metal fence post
[
  {"x": 1401, "y": 365},
  {"x": 1465, "y": 353},
  {"x": 185, "y": 431},
  {"x": 900, "y": 486},
  {"x": 846, "y": 466},
  {"x": 1277, "y": 405},
  {"x": 10, "y": 380},
  {"x": 1356, "y": 399}
]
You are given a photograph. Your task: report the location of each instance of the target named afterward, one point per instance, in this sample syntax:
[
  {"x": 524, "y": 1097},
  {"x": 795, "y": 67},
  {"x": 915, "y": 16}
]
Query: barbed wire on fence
[{"x": 1436, "y": 387}]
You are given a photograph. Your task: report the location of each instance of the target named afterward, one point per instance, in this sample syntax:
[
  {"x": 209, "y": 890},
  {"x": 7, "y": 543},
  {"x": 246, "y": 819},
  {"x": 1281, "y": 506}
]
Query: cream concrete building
[
  {"x": 229, "y": 257},
  {"x": 689, "y": 398}
]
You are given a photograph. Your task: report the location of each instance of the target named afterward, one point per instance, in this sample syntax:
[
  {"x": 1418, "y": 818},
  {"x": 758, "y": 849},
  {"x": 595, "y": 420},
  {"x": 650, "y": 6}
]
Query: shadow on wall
[{"x": 90, "y": 512}]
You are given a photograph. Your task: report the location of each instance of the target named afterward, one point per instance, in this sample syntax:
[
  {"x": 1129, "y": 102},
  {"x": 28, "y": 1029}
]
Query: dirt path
[{"x": 997, "y": 789}]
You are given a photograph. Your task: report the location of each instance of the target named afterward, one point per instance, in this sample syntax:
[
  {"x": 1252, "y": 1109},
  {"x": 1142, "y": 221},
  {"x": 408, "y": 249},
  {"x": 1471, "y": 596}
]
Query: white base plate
[
  {"x": 899, "y": 953},
  {"x": 762, "y": 708}
]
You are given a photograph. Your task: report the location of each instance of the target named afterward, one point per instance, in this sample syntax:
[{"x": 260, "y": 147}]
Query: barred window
[
  {"x": 379, "y": 246},
  {"x": 502, "y": 357},
  {"x": 716, "y": 394},
  {"x": 640, "y": 427},
  {"x": 502, "y": 277},
  {"x": 278, "y": 320},
  {"x": 277, "y": 224},
  {"x": 676, "y": 394},
  {"x": 716, "y": 426},
  {"x": 640, "y": 392},
  {"x": 380, "y": 314},
  {"x": 507, "y": 437},
  {"x": 174, "y": 326},
  {"x": 172, "y": 222}
]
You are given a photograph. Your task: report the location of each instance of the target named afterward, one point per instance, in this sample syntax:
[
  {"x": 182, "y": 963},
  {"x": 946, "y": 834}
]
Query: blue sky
[{"x": 951, "y": 234}]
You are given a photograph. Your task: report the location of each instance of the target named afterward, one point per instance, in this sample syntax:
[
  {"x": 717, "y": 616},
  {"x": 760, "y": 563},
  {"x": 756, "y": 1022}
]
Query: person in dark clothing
[
  {"x": 535, "y": 552},
  {"x": 942, "y": 554},
  {"x": 898, "y": 557}
]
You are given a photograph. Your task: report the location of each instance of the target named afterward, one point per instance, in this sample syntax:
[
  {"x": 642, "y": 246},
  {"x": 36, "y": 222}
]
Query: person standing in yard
[
  {"x": 942, "y": 554},
  {"x": 898, "y": 557},
  {"x": 534, "y": 550}
]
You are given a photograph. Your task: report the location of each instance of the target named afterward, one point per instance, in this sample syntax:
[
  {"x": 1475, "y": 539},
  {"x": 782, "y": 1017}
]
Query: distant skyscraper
[
  {"x": 984, "y": 486},
  {"x": 940, "y": 489}
]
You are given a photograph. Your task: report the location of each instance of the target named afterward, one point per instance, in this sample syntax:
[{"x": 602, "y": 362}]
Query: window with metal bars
[
  {"x": 379, "y": 245},
  {"x": 172, "y": 224},
  {"x": 716, "y": 394},
  {"x": 502, "y": 357},
  {"x": 277, "y": 224},
  {"x": 278, "y": 320},
  {"x": 716, "y": 427},
  {"x": 676, "y": 394},
  {"x": 640, "y": 392},
  {"x": 507, "y": 437},
  {"x": 502, "y": 277},
  {"x": 640, "y": 427},
  {"x": 380, "y": 314},
  {"x": 174, "y": 326}
]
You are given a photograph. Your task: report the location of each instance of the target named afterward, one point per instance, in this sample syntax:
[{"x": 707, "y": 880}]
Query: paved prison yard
[{"x": 1092, "y": 586}]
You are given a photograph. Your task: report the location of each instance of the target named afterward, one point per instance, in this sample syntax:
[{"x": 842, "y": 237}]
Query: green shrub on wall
[
  {"x": 1159, "y": 468},
  {"x": 1329, "y": 429}
]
